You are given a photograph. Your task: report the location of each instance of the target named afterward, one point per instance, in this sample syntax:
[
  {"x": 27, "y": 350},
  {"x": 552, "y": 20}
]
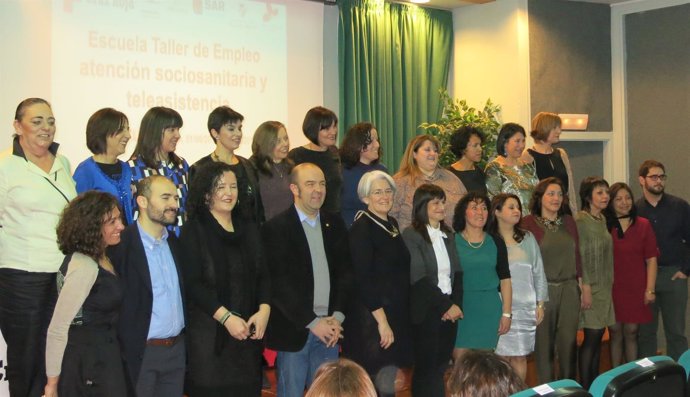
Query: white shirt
[
  {"x": 31, "y": 202},
  {"x": 442, "y": 259}
]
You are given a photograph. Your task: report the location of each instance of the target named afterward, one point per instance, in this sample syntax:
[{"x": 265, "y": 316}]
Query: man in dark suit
[
  {"x": 152, "y": 313},
  {"x": 307, "y": 253}
]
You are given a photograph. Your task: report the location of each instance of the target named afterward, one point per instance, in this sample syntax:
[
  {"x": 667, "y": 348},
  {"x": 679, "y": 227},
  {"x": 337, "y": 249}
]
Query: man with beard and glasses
[
  {"x": 670, "y": 219},
  {"x": 307, "y": 253},
  {"x": 152, "y": 316}
]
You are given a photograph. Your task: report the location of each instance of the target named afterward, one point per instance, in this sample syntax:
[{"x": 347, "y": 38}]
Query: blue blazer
[{"x": 130, "y": 263}]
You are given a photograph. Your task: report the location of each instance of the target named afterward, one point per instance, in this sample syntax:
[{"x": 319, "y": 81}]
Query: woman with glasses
[{"x": 378, "y": 323}]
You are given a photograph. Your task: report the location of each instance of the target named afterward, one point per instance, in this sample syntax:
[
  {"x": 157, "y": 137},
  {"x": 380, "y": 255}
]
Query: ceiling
[{"x": 450, "y": 4}]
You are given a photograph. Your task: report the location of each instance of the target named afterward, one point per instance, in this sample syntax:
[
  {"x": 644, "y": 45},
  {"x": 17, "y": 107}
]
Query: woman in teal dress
[{"x": 486, "y": 283}]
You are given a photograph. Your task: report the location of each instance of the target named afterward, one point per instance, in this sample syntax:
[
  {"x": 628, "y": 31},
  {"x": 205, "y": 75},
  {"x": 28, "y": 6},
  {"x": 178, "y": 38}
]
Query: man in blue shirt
[
  {"x": 670, "y": 219},
  {"x": 152, "y": 315}
]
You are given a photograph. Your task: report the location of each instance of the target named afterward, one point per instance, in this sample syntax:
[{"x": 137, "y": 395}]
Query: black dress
[
  {"x": 382, "y": 273},
  {"x": 92, "y": 363},
  {"x": 222, "y": 269},
  {"x": 474, "y": 180},
  {"x": 549, "y": 165},
  {"x": 329, "y": 162},
  {"x": 249, "y": 202}
]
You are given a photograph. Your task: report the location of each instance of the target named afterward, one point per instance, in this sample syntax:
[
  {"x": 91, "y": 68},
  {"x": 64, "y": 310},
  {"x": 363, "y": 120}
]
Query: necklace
[
  {"x": 393, "y": 233},
  {"x": 551, "y": 225},
  {"x": 471, "y": 244},
  {"x": 215, "y": 157},
  {"x": 277, "y": 169}
]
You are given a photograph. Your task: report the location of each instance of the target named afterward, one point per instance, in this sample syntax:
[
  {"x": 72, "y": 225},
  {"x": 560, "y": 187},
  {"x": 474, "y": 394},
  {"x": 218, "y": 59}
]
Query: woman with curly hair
[
  {"x": 228, "y": 289},
  {"x": 82, "y": 349},
  {"x": 360, "y": 153}
]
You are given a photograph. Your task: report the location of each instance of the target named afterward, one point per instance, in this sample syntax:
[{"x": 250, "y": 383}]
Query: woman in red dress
[{"x": 634, "y": 272}]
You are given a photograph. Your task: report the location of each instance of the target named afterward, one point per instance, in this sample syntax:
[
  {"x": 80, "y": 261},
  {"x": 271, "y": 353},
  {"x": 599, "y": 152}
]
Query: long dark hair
[
  {"x": 497, "y": 204},
  {"x": 612, "y": 220},
  {"x": 420, "y": 215},
  {"x": 154, "y": 122},
  {"x": 263, "y": 143}
]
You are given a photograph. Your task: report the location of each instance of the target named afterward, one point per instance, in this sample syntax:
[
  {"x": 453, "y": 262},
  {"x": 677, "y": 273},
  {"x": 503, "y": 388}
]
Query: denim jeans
[{"x": 296, "y": 370}]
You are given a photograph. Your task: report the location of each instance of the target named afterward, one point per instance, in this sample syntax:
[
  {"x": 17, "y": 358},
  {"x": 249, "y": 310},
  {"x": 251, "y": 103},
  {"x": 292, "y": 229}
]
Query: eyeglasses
[{"x": 657, "y": 178}]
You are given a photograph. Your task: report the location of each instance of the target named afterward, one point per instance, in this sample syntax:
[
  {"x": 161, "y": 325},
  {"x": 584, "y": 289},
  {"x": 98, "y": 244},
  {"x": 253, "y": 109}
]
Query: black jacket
[{"x": 292, "y": 280}]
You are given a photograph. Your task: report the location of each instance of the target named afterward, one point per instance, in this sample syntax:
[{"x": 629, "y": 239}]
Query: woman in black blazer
[{"x": 436, "y": 295}]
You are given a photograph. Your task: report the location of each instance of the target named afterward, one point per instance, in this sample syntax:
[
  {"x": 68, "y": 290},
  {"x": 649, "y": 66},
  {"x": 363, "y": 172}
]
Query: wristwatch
[{"x": 507, "y": 315}]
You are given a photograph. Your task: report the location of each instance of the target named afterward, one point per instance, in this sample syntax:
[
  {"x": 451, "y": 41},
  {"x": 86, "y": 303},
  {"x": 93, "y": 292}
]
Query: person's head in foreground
[
  {"x": 341, "y": 378},
  {"x": 480, "y": 373}
]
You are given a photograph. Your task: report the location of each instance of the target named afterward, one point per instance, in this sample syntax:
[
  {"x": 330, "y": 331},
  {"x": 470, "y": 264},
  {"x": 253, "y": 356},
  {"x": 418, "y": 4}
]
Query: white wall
[{"x": 492, "y": 57}]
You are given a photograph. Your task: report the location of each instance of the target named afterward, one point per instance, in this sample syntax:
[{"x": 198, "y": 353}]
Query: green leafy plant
[{"x": 457, "y": 113}]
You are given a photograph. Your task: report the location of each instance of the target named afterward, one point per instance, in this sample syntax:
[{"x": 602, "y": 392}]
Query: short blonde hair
[{"x": 341, "y": 378}]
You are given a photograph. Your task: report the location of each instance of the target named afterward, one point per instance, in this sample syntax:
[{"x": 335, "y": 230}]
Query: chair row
[{"x": 657, "y": 376}]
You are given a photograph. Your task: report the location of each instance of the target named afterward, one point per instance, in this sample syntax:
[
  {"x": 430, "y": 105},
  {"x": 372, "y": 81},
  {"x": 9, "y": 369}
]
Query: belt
[{"x": 163, "y": 342}]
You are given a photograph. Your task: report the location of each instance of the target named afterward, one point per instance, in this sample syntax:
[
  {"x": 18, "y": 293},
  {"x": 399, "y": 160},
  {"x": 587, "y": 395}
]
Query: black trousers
[
  {"x": 434, "y": 340},
  {"x": 26, "y": 305}
]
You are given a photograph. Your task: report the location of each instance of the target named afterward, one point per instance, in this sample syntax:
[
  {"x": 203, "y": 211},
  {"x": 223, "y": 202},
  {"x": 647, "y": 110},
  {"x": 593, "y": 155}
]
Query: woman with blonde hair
[
  {"x": 341, "y": 378},
  {"x": 548, "y": 160},
  {"x": 418, "y": 166}
]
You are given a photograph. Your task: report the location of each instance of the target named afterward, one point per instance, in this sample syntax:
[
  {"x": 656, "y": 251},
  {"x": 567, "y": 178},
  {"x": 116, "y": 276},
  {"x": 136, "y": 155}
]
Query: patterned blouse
[
  {"x": 519, "y": 180},
  {"x": 177, "y": 174}
]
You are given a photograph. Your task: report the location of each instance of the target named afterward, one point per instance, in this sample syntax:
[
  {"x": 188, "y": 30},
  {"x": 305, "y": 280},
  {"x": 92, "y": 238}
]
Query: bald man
[
  {"x": 152, "y": 313},
  {"x": 308, "y": 257}
]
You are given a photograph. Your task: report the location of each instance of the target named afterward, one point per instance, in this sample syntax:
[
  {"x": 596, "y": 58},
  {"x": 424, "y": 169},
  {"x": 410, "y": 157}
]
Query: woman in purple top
[{"x": 270, "y": 148}]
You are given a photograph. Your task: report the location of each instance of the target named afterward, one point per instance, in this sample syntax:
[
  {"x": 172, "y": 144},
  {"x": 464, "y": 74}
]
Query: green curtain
[{"x": 393, "y": 58}]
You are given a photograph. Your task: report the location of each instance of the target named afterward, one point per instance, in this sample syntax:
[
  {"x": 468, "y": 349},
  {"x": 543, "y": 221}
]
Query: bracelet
[
  {"x": 507, "y": 315},
  {"x": 649, "y": 291},
  {"x": 225, "y": 318},
  {"x": 540, "y": 305}
]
